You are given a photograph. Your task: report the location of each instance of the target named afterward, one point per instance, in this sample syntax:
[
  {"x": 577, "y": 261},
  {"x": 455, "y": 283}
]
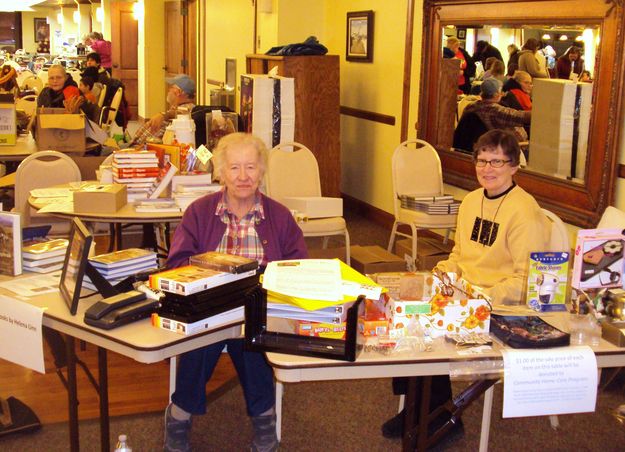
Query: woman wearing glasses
[{"x": 498, "y": 226}]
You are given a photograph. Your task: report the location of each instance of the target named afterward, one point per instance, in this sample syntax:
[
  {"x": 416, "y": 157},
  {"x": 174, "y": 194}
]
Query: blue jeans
[{"x": 196, "y": 367}]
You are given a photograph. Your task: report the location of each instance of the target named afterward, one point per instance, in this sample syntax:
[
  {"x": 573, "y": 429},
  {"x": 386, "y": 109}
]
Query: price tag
[{"x": 203, "y": 154}]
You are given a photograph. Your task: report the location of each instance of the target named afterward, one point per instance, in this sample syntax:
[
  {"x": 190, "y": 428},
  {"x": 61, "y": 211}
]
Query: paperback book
[
  {"x": 122, "y": 258},
  {"x": 43, "y": 249}
]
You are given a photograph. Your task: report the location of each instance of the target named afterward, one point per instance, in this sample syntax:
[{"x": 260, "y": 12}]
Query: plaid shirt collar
[{"x": 256, "y": 212}]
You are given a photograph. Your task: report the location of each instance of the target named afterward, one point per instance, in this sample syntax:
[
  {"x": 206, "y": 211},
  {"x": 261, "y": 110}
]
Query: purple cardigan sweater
[{"x": 201, "y": 230}]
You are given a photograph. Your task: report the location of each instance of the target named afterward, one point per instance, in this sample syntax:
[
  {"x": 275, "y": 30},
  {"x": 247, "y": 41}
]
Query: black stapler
[{"x": 120, "y": 309}]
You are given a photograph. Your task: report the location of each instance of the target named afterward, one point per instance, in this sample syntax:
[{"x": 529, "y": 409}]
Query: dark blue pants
[{"x": 196, "y": 367}]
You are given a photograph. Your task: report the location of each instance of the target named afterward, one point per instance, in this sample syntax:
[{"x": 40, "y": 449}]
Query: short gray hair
[{"x": 236, "y": 140}]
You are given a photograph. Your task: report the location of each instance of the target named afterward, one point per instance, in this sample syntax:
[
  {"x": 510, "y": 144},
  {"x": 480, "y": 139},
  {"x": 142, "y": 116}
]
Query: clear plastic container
[
  {"x": 584, "y": 330},
  {"x": 122, "y": 444}
]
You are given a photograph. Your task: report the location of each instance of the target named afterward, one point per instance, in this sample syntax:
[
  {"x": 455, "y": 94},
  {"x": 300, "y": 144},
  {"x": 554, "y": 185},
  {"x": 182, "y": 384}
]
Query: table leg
[
  {"x": 172, "y": 375},
  {"x": 410, "y": 426},
  {"x": 72, "y": 394},
  {"x": 486, "y": 413},
  {"x": 279, "y": 394},
  {"x": 103, "y": 390}
]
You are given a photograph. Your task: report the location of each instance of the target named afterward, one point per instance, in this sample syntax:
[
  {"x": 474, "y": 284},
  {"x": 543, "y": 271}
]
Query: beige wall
[{"x": 151, "y": 59}]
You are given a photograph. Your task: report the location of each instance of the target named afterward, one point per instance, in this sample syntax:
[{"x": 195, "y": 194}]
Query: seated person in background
[
  {"x": 585, "y": 77},
  {"x": 180, "y": 94},
  {"x": 85, "y": 86},
  {"x": 498, "y": 226},
  {"x": 496, "y": 70},
  {"x": 496, "y": 116},
  {"x": 94, "y": 61},
  {"x": 62, "y": 92},
  {"x": 237, "y": 220},
  {"x": 518, "y": 90}
]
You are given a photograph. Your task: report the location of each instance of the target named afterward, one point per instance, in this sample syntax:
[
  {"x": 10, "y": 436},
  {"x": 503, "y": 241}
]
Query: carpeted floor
[{"x": 346, "y": 416}]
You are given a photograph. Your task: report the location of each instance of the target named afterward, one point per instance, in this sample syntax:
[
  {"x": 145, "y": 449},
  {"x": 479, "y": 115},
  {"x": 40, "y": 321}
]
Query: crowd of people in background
[{"x": 505, "y": 90}]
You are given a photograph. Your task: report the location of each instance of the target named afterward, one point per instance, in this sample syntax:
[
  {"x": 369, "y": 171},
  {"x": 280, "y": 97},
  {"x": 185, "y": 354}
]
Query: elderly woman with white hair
[{"x": 239, "y": 220}]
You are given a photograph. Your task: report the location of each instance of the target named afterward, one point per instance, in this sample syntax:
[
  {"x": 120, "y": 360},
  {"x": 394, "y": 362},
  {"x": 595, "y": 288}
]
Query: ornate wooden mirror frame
[{"x": 579, "y": 204}]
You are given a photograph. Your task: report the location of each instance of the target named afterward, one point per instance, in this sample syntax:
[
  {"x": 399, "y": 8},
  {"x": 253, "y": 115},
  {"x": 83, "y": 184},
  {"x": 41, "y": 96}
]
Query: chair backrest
[
  {"x": 40, "y": 170},
  {"x": 32, "y": 82},
  {"x": 559, "y": 238},
  {"x": 23, "y": 76},
  {"x": 28, "y": 104},
  {"x": 612, "y": 218},
  {"x": 292, "y": 170},
  {"x": 416, "y": 170},
  {"x": 102, "y": 96},
  {"x": 108, "y": 113}
]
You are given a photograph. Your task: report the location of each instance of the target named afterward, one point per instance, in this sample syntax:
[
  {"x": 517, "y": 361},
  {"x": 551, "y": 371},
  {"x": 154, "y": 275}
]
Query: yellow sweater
[{"x": 493, "y": 240}]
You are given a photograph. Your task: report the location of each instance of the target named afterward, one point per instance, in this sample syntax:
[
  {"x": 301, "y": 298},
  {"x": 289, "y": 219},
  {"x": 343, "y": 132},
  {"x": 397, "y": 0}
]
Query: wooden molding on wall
[
  {"x": 368, "y": 115},
  {"x": 621, "y": 170}
]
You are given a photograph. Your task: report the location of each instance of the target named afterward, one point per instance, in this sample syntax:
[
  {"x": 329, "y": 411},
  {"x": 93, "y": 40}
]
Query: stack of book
[
  {"x": 156, "y": 205},
  {"x": 198, "y": 298},
  {"x": 186, "y": 188},
  {"x": 138, "y": 170},
  {"x": 432, "y": 205},
  {"x": 44, "y": 255},
  {"x": 117, "y": 266}
]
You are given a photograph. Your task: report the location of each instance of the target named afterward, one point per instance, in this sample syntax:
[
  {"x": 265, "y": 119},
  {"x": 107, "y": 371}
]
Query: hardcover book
[
  {"x": 10, "y": 244},
  {"x": 191, "y": 279},
  {"x": 224, "y": 262}
]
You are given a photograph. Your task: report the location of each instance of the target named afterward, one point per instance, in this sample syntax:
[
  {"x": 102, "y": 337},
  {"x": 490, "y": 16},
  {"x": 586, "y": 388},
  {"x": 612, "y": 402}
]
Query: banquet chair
[
  {"x": 23, "y": 76},
  {"x": 559, "y": 238},
  {"x": 102, "y": 96},
  {"x": 41, "y": 170},
  {"x": 108, "y": 113},
  {"x": 417, "y": 172},
  {"x": 33, "y": 82},
  {"x": 612, "y": 218},
  {"x": 28, "y": 104},
  {"x": 296, "y": 173}
]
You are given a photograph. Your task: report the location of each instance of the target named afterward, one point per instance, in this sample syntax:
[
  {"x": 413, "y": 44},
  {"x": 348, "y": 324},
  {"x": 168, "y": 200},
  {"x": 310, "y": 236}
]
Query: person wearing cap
[
  {"x": 496, "y": 116},
  {"x": 181, "y": 94}
]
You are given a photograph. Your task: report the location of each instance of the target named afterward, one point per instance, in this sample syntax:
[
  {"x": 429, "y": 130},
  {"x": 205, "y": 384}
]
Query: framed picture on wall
[
  {"x": 359, "y": 46},
  {"x": 42, "y": 30},
  {"x": 462, "y": 33}
]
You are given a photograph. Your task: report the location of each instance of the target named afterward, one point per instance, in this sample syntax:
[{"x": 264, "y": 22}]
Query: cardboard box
[
  {"x": 373, "y": 259},
  {"x": 315, "y": 207},
  {"x": 372, "y": 327},
  {"x": 60, "y": 131},
  {"x": 100, "y": 198},
  {"x": 430, "y": 251},
  {"x": 406, "y": 285},
  {"x": 8, "y": 121}
]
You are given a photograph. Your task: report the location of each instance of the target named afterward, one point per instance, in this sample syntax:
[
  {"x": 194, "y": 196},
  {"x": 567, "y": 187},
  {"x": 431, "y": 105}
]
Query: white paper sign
[
  {"x": 21, "y": 341},
  {"x": 549, "y": 381},
  {"x": 316, "y": 279}
]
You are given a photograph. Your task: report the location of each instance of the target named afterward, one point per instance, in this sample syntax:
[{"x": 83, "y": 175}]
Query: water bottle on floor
[{"x": 122, "y": 444}]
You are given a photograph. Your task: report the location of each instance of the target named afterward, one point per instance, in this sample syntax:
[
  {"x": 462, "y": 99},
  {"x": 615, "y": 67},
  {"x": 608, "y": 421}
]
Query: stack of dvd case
[{"x": 217, "y": 305}]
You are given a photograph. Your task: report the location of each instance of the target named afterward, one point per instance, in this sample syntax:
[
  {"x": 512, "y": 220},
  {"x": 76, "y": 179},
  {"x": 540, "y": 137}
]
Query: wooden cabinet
[{"x": 317, "y": 116}]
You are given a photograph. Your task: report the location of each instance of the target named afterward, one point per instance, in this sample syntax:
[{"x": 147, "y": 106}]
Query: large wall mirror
[{"x": 575, "y": 180}]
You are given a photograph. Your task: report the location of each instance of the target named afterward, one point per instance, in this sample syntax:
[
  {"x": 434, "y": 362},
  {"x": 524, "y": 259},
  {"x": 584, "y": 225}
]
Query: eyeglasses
[{"x": 495, "y": 163}]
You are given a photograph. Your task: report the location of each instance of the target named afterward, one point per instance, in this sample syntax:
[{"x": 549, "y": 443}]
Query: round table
[{"x": 125, "y": 215}]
